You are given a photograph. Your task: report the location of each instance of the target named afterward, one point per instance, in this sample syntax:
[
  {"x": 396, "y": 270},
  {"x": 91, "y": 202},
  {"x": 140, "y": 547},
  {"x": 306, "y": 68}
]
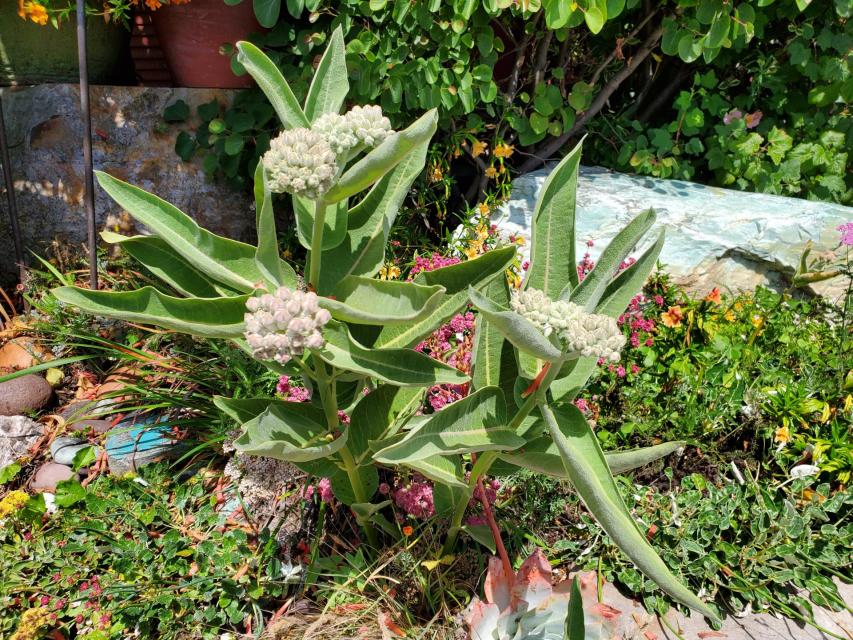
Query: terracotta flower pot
[{"x": 191, "y": 36}]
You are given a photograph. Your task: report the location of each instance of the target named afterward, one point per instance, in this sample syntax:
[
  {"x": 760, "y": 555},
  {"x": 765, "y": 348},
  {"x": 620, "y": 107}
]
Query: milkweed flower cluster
[
  {"x": 282, "y": 325},
  {"x": 301, "y": 162},
  {"x": 416, "y": 498},
  {"x": 361, "y": 126},
  {"x": 588, "y": 334}
]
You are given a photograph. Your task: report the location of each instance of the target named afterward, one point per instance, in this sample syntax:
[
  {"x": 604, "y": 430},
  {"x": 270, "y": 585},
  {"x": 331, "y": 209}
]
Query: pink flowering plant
[{"x": 362, "y": 345}]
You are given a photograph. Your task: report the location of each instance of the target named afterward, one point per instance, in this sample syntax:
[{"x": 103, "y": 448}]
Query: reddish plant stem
[
  {"x": 534, "y": 386},
  {"x": 493, "y": 525}
]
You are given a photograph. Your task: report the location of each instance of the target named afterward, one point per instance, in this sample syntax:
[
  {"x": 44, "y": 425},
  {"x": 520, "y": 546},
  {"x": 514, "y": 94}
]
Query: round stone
[
  {"x": 24, "y": 394},
  {"x": 49, "y": 475}
]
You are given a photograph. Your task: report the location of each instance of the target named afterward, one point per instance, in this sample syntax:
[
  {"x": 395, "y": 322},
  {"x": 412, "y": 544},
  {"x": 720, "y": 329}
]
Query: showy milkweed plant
[{"x": 350, "y": 335}]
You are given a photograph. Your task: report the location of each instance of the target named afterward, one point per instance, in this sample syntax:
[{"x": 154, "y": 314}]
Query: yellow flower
[
  {"x": 672, "y": 317},
  {"x": 757, "y": 321},
  {"x": 513, "y": 278},
  {"x": 504, "y": 150},
  {"x": 520, "y": 241},
  {"x": 288, "y": 254},
  {"x": 478, "y": 148},
  {"x": 730, "y": 315},
  {"x": 783, "y": 435},
  {"x": 482, "y": 232},
  {"x": 389, "y": 272},
  {"x": 483, "y": 208},
  {"x": 491, "y": 172},
  {"x": 13, "y": 501},
  {"x": 848, "y": 403},
  {"x": 32, "y": 10},
  {"x": 437, "y": 174},
  {"x": 32, "y": 620},
  {"x": 473, "y": 249},
  {"x": 738, "y": 306}
]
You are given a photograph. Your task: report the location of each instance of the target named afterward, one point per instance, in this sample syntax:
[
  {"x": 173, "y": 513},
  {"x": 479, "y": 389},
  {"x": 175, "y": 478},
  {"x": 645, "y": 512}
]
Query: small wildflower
[
  {"x": 757, "y": 321},
  {"x": 752, "y": 120},
  {"x": 437, "y": 173},
  {"x": 408, "y": 530},
  {"x": 846, "y": 231},
  {"x": 672, "y": 317},
  {"x": 31, "y": 623},
  {"x": 491, "y": 172},
  {"x": 659, "y": 300},
  {"x": 731, "y": 116},
  {"x": 478, "y": 148},
  {"x": 782, "y": 434},
  {"x": 12, "y": 502},
  {"x": 389, "y": 271},
  {"x": 483, "y": 209},
  {"x": 34, "y": 11}
]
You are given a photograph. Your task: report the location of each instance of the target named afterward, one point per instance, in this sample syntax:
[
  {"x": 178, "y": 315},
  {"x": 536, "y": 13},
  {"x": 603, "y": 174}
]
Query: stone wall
[{"x": 130, "y": 141}]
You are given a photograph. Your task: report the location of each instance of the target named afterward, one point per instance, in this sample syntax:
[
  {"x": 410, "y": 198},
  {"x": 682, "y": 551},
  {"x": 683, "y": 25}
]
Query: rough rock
[
  {"x": 714, "y": 237},
  {"x": 24, "y": 394},
  {"x": 130, "y": 141},
  {"x": 17, "y": 434},
  {"x": 49, "y": 475},
  {"x": 20, "y": 353}
]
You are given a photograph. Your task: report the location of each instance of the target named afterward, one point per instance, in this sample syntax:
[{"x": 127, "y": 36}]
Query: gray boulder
[
  {"x": 714, "y": 237},
  {"x": 17, "y": 434}
]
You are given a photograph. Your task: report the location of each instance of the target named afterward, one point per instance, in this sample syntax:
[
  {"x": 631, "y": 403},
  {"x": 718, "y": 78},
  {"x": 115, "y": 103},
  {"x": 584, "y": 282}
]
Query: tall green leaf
[
  {"x": 161, "y": 260},
  {"x": 575, "y": 629},
  {"x": 401, "y": 367},
  {"x": 587, "y": 469},
  {"x": 273, "y": 84},
  {"x": 455, "y": 279},
  {"x": 371, "y": 419},
  {"x": 292, "y": 431},
  {"x": 362, "y": 251},
  {"x": 224, "y": 260},
  {"x": 275, "y": 271},
  {"x": 362, "y": 300},
  {"x": 383, "y": 158},
  {"x": 589, "y": 292},
  {"x": 552, "y": 249},
  {"x": 330, "y": 85},
  {"x": 208, "y": 317},
  {"x": 475, "y": 423},
  {"x": 489, "y": 342},
  {"x": 515, "y": 328}
]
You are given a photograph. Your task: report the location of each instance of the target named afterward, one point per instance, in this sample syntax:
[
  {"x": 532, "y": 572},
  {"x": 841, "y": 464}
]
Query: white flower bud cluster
[
  {"x": 300, "y": 161},
  {"x": 359, "y": 126},
  {"x": 589, "y": 334},
  {"x": 282, "y": 325}
]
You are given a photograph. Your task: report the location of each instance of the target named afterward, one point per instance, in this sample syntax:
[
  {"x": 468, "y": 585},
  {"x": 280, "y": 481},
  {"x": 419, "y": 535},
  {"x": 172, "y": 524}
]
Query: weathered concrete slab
[
  {"x": 715, "y": 237},
  {"x": 129, "y": 140}
]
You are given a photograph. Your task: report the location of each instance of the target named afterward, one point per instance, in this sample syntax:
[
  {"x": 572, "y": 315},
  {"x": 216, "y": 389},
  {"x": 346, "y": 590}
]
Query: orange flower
[
  {"x": 408, "y": 530},
  {"x": 491, "y": 172},
  {"x": 714, "y": 296},
  {"x": 478, "y": 148},
  {"x": 672, "y": 317},
  {"x": 483, "y": 208},
  {"x": 782, "y": 435},
  {"x": 153, "y": 4},
  {"x": 32, "y": 10},
  {"x": 504, "y": 150}
]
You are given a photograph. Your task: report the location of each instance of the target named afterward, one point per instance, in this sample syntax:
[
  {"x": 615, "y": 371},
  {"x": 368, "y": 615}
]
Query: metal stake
[
  {"x": 89, "y": 195},
  {"x": 10, "y": 197}
]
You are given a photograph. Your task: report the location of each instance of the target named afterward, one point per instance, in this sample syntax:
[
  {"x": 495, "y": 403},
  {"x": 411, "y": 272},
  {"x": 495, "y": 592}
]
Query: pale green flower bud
[
  {"x": 282, "y": 325},
  {"x": 368, "y": 124},
  {"x": 301, "y": 162}
]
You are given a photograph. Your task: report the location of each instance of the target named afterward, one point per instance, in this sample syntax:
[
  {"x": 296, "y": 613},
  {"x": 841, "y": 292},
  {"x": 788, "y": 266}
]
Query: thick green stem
[
  {"x": 317, "y": 244},
  {"x": 487, "y": 458},
  {"x": 326, "y": 384}
]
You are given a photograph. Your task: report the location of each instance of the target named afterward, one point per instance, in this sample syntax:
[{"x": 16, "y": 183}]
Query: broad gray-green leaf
[
  {"x": 475, "y": 423},
  {"x": 541, "y": 455},
  {"x": 443, "y": 470},
  {"x": 489, "y": 342},
  {"x": 455, "y": 279},
  {"x": 552, "y": 250},
  {"x": 224, "y": 260},
  {"x": 372, "y": 418},
  {"x": 446, "y": 497},
  {"x": 330, "y": 85},
  {"x": 161, "y": 260},
  {"x": 362, "y": 251},
  {"x": 587, "y": 469},
  {"x": 273, "y": 84},
  {"x": 242, "y": 410},
  {"x": 515, "y": 328},
  {"x": 367, "y": 301},
  {"x": 368, "y": 476},
  {"x": 334, "y": 222},
  {"x": 295, "y": 433},
  {"x": 383, "y": 158},
  {"x": 401, "y": 367},
  {"x": 615, "y": 300},
  {"x": 208, "y": 317},
  {"x": 482, "y": 534},
  {"x": 589, "y": 292},
  {"x": 275, "y": 271}
]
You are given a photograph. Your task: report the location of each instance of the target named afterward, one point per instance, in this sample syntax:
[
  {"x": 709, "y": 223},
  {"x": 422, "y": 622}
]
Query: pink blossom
[
  {"x": 649, "y": 342},
  {"x": 416, "y": 498},
  {"x": 753, "y": 119},
  {"x": 731, "y": 116},
  {"x": 384, "y": 489},
  {"x": 659, "y": 300},
  {"x": 475, "y": 521},
  {"x": 634, "y": 368},
  {"x": 44, "y": 601},
  {"x": 583, "y": 405},
  {"x": 435, "y": 261},
  {"x": 343, "y": 417},
  {"x": 620, "y": 371},
  {"x": 590, "y": 243},
  {"x": 846, "y": 230},
  {"x": 323, "y": 490},
  {"x": 290, "y": 392}
]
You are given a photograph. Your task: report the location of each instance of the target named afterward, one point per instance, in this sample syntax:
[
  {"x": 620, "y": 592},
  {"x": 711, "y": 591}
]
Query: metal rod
[
  {"x": 10, "y": 197},
  {"x": 89, "y": 194}
]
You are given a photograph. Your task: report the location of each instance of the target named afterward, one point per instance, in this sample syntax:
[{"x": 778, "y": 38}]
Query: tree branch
[{"x": 555, "y": 144}]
